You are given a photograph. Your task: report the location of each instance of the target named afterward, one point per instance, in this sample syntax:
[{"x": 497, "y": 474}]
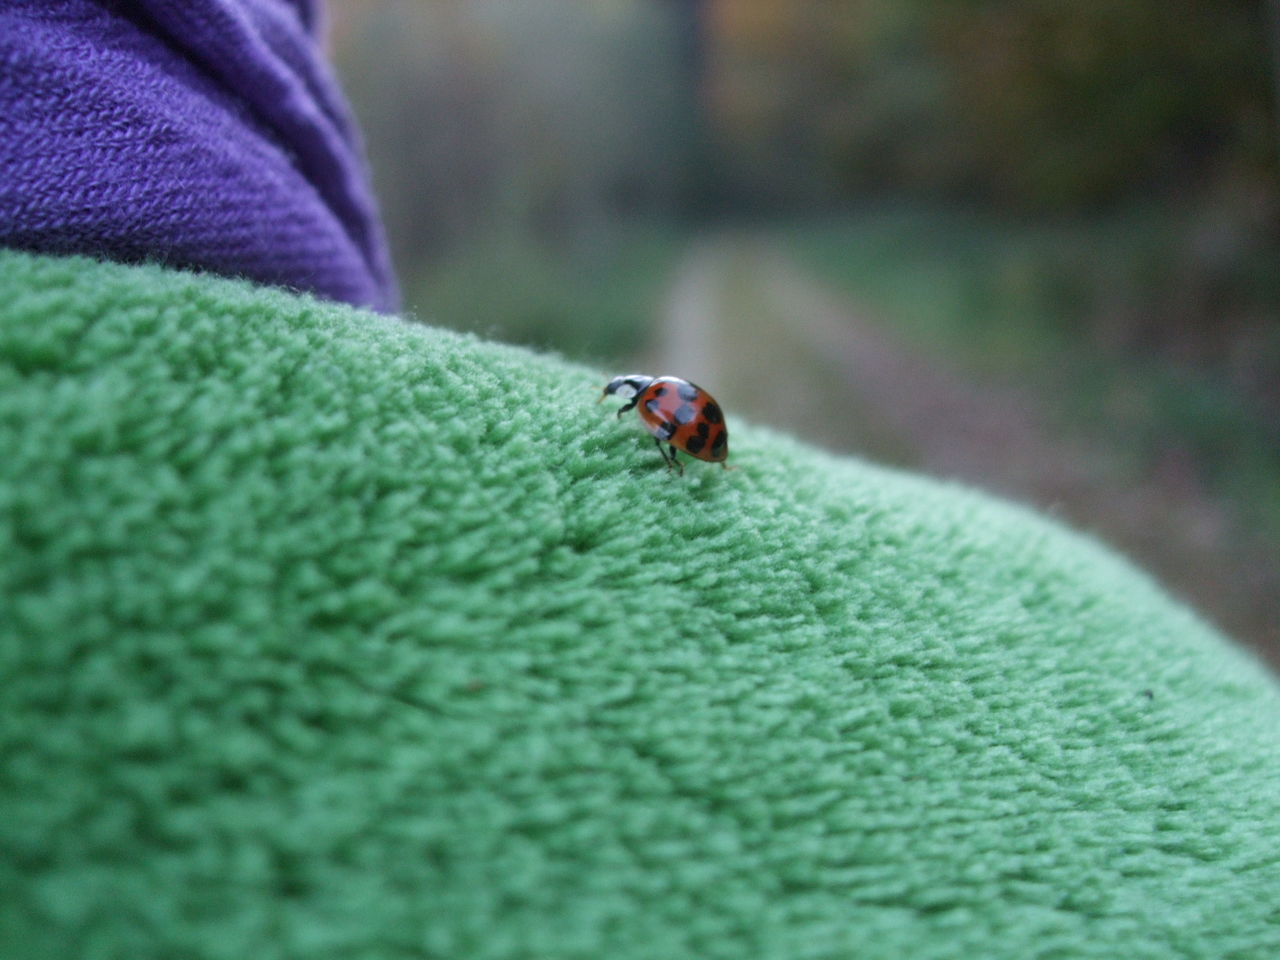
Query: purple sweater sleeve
[{"x": 205, "y": 134}]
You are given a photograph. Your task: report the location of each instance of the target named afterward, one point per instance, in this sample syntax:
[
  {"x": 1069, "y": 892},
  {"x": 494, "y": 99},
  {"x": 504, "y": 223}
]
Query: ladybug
[{"x": 678, "y": 413}]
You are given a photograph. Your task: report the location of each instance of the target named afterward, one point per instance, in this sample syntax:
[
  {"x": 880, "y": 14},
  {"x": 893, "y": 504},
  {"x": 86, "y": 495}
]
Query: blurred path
[
  {"x": 778, "y": 348},
  {"x": 691, "y": 319}
]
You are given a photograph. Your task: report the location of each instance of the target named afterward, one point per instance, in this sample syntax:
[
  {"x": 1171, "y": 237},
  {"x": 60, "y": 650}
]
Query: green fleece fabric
[{"x": 330, "y": 635}]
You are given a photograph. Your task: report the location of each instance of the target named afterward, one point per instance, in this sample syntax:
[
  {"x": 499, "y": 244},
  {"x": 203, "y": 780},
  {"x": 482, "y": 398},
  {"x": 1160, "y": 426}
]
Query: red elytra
[{"x": 679, "y": 414}]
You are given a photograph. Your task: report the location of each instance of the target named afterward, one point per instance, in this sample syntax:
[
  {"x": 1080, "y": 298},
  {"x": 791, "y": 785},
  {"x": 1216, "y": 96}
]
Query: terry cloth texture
[
  {"x": 329, "y": 635},
  {"x": 204, "y": 134}
]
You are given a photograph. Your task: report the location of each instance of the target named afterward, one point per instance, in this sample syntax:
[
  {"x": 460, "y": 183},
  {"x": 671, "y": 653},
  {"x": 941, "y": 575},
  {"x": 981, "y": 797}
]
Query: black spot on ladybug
[
  {"x": 651, "y": 405},
  {"x": 660, "y": 391},
  {"x": 695, "y": 444},
  {"x": 687, "y": 391},
  {"x": 704, "y": 428},
  {"x": 712, "y": 412},
  {"x": 720, "y": 442},
  {"x": 684, "y": 414},
  {"x": 668, "y": 429}
]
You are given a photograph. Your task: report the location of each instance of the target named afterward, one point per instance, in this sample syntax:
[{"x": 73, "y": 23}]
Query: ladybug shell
[{"x": 686, "y": 416}]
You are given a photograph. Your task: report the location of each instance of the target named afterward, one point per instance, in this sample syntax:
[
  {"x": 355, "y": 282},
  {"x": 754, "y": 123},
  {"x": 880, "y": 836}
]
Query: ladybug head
[{"x": 627, "y": 386}]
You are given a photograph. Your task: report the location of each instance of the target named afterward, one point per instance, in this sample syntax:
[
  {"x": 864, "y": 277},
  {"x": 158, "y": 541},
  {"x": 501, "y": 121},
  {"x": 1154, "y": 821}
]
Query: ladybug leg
[
  {"x": 669, "y": 460},
  {"x": 625, "y": 407},
  {"x": 665, "y": 458},
  {"x": 675, "y": 459}
]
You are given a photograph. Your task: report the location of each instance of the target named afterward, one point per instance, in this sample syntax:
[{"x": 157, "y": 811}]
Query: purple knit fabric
[{"x": 205, "y": 134}]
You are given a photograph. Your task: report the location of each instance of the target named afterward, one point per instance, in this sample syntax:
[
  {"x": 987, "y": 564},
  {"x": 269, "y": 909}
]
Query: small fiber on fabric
[
  {"x": 204, "y": 134},
  {"x": 326, "y": 634}
]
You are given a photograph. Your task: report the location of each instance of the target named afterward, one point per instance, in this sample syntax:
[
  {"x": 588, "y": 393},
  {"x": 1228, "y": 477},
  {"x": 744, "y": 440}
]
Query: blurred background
[{"x": 1031, "y": 245}]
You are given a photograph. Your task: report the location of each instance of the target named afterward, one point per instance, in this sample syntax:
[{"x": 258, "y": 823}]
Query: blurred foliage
[
  {"x": 506, "y": 287},
  {"x": 1031, "y": 104},
  {"x": 561, "y": 126},
  {"x": 555, "y": 119},
  {"x": 530, "y": 157},
  {"x": 1122, "y": 98},
  {"x": 1004, "y": 298}
]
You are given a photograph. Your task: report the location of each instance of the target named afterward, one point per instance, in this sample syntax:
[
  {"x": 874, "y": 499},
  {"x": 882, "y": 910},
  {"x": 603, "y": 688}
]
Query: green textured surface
[{"x": 329, "y": 635}]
